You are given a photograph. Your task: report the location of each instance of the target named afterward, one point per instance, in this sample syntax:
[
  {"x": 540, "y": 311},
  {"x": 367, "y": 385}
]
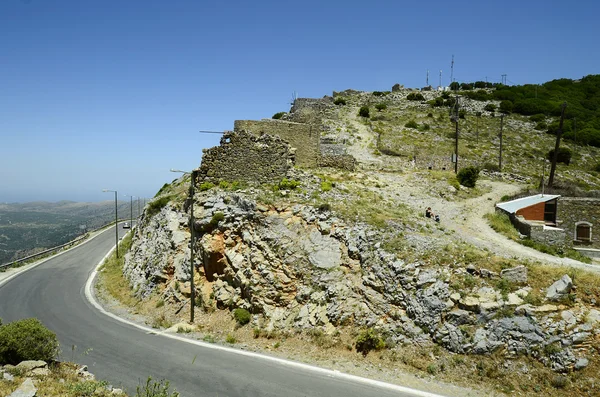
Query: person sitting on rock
[{"x": 429, "y": 213}]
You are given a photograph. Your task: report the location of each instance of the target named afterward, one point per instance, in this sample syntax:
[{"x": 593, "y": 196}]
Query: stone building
[
  {"x": 578, "y": 216},
  {"x": 245, "y": 157},
  {"x": 304, "y": 138}
]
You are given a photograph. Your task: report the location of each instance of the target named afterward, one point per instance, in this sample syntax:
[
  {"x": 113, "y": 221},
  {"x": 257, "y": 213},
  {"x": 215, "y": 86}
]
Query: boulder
[
  {"x": 29, "y": 365},
  {"x": 560, "y": 288},
  {"x": 517, "y": 275},
  {"x": 27, "y": 389}
]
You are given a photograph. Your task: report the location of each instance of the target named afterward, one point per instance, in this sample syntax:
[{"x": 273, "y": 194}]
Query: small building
[
  {"x": 535, "y": 217},
  {"x": 540, "y": 207}
]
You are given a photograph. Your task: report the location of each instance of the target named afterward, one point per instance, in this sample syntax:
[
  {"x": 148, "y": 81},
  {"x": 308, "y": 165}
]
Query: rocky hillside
[{"x": 351, "y": 253}]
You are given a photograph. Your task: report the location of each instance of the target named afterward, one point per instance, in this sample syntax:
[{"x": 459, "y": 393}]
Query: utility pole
[
  {"x": 500, "y": 157},
  {"x": 456, "y": 137},
  {"x": 557, "y": 146}
]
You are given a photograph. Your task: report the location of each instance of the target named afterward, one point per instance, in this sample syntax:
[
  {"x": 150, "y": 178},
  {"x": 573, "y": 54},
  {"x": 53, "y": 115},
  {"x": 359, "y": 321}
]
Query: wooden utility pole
[
  {"x": 500, "y": 156},
  {"x": 557, "y": 146}
]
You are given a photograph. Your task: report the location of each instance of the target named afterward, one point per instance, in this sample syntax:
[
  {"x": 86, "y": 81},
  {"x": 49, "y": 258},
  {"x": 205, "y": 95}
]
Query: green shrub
[
  {"x": 536, "y": 118},
  {"x": 156, "y": 205},
  {"x": 454, "y": 86},
  {"x": 363, "y": 111},
  {"x": 430, "y": 115},
  {"x": 541, "y": 126},
  {"x": 466, "y": 86},
  {"x": 381, "y": 106},
  {"x": 216, "y": 218},
  {"x": 206, "y": 186},
  {"x": 468, "y": 176},
  {"x": 506, "y": 107},
  {"x": 411, "y": 124},
  {"x": 415, "y": 96},
  {"x": 490, "y": 107},
  {"x": 380, "y": 93},
  {"x": 26, "y": 339},
  {"x": 596, "y": 168},
  {"x": 155, "y": 389},
  {"x": 278, "y": 115},
  {"x": 368, "y": 340},
  {"x": 564, "y": 155},
  {"x": 241, "y": 316},
  {"x": 288, "y": 184},
  {"x": 326, "y": 186},
  {"x": 339, "y": 101},
  {"x": 323, "y": 207},
  {"x": 462, "y": 113}
]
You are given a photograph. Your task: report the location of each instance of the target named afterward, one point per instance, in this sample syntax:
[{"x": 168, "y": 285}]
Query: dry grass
[{"x": 62, "y": 382}]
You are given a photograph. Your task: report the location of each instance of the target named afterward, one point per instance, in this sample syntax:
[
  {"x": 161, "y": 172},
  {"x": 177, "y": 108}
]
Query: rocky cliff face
[{"x": 294, "y": 266}]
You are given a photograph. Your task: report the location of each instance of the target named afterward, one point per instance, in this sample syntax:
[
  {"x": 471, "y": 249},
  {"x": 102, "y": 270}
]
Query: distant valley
[{"x": 28, "y": 228}]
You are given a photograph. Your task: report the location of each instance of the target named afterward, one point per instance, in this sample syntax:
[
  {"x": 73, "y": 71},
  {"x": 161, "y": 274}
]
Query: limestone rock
[
  {"x": 516, "y": 275},
  {"x": 560, "y": 288},
  {"x": 27, "y": 389},
  {"x": 27, "y": 366}
]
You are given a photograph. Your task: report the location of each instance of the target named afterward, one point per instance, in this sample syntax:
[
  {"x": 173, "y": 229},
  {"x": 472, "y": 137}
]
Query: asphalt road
[{"x": 125, "y": 355}]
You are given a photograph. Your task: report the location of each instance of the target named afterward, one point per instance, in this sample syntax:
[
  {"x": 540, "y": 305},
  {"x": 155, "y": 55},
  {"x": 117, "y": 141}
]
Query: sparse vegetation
[
  {"x": 279, "y": 115},
  {"x": 155, "y": 389},
  {"x": 288, "y": 184},
  {"x": 381, "y": 106},
  {"x": 339, "y": 101},
  {"x": 368, "y": 340}
]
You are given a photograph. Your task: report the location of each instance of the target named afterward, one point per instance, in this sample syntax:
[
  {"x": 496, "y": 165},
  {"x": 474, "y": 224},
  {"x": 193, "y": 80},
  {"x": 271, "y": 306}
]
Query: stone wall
[
  {"x": 335, "y": 155},
  {"x": 551, "y": 236},
  {"x": 305, "y": 138},
  {"x": 537, "y": 231},
  {"x": 310, "y": 110},
  {"x": 248, "y": 158},
  {"x": 572, "y": 210}
]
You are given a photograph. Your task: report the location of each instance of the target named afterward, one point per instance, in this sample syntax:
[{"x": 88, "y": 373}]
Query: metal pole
[
  {"x": 130, "y": 211},
  {"x": 116, "y": 227},
  {"x": 193, "y": 292},
  {"x": 139, "y": 213},
  {"x": 500, "y": 157}
]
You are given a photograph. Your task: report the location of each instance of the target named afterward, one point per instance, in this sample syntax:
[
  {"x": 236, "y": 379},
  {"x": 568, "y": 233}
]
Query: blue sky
[{"x": 112, "y": 94}]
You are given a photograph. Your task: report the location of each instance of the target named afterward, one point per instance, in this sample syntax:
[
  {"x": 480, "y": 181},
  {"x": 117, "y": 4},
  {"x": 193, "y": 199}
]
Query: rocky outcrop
[{"x": 297, "y": 267}]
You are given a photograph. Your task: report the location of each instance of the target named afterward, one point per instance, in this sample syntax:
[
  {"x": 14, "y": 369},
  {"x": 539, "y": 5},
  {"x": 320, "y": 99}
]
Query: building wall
[
  {"x": 304, "y": 138},
  {"x": 533, "y": 213},
  {"x": 248, "y": 158},
  {"x": 572, "y": 210}
]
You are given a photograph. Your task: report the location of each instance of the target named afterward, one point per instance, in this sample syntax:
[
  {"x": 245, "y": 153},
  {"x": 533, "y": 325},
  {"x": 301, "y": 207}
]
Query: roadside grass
[
  {"x": 111, "y": 279},
  {"x": 63, "y": 381}
]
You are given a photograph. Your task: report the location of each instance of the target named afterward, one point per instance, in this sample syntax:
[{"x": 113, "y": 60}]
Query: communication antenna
[
  {"x": 440, "y": 79},
  {"x": 452, "y": 70},
  {"x": 294, "y": 97},
  {"x": 503, "y": 79},
  {"x": 427, "y": 81}
]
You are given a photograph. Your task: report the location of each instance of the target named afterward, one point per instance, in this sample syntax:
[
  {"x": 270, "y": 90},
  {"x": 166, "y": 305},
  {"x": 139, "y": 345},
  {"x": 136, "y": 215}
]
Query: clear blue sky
[{"x": 111, "y": 94}]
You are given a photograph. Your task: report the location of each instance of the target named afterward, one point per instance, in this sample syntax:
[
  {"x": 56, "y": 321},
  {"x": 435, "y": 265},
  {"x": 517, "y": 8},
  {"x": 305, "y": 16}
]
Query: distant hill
[{"x": 27, "y": 228}]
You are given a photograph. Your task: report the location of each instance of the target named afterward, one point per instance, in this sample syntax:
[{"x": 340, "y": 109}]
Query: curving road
[{"x": 126, "y": 355}]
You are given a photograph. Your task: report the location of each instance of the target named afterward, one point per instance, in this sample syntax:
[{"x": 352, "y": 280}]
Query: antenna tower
[
  {"x": 452, "y": 70},
  {"x": 427, "y": 81},
  {"x": 440, "y": 79}
]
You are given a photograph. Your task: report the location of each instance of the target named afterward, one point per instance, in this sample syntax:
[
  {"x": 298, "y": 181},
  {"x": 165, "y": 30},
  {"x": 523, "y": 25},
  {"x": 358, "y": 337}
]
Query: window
[{"x": 583, "y": 231}]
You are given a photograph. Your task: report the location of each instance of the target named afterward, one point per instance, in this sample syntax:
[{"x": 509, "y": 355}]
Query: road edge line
[{"x": 90, "y": 296}]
